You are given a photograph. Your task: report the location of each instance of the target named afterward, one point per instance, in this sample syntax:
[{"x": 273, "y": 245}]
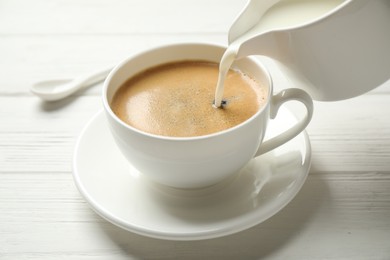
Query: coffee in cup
[{"x": 176, "y": 99}]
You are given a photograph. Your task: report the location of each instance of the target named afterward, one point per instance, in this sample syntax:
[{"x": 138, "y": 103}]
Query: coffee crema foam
[{"x": 176, "y": 99}]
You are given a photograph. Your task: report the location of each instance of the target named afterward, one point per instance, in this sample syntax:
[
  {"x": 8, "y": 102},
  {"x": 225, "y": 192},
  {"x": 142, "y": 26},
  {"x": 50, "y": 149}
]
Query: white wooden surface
[{"x": 342, "y": 212}]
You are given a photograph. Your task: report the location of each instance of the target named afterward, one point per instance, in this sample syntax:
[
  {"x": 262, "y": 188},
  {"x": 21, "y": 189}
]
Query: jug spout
[{"x": 249, "y": 17}]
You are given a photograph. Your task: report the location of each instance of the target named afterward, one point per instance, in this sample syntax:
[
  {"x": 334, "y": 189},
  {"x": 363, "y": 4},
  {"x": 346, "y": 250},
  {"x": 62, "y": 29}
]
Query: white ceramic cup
[{"x": 195, "y": 162}]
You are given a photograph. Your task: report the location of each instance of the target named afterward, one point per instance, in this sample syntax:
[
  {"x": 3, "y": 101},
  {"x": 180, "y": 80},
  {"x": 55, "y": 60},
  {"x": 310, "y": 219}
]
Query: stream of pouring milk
[{"x": 284, "y": 14}]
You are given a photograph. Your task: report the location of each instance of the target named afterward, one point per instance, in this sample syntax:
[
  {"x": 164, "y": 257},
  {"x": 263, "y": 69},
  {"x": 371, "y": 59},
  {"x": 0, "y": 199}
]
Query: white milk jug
[{"x": 332, "y": 49}]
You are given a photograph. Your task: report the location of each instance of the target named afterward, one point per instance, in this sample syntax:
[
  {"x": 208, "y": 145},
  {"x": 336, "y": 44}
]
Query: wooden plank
[
  {"x": 37, "y": 136},
  {"x": 351, "y": 134},
  {"x": 117, "y": 17}
]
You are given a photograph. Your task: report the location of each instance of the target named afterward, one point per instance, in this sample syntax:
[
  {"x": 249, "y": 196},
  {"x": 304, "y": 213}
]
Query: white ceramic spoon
[{"x": 56, "y": 89}]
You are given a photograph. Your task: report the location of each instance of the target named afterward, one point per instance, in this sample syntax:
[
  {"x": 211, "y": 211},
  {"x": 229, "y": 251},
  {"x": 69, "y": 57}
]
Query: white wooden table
[{"x": 342, "y": 211}]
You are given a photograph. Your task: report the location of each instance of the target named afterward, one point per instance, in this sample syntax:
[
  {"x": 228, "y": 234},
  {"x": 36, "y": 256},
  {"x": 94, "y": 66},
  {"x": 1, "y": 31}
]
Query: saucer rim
[{"x": 251, "y": 219}]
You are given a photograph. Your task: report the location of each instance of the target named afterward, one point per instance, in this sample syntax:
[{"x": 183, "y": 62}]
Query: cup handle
[{"x": 276, "y": 101}]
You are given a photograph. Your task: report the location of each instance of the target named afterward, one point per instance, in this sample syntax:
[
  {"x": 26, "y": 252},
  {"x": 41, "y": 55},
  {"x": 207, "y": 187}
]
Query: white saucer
[{"x": 120, "y": 194}]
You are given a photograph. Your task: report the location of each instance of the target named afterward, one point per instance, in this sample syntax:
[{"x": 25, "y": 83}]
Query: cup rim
[{"x": 112, "y": 73}]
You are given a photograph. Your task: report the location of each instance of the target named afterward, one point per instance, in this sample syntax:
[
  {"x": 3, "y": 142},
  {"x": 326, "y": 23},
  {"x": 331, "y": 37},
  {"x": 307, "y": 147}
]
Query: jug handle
[{"x": 275, "y": 103}]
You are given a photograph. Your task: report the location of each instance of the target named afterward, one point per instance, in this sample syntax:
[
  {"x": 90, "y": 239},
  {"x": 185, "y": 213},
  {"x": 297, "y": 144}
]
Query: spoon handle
[{"x": 93, "y": 78}]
